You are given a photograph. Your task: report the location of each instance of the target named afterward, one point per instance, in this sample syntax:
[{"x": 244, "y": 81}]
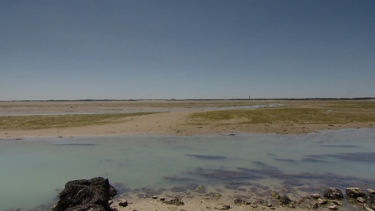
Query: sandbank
[{"x": 170, "y": 118}]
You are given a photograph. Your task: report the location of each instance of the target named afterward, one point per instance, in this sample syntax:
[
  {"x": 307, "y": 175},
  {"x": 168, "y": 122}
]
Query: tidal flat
[
  {"x": 182, "y": 118},
  {"x": 209, "y": 153}
]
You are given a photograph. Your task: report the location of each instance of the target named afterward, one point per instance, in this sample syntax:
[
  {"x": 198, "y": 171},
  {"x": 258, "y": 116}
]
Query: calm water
[
  {"x": 33, "y": 171},
  {"x": 11, "y": 112}
]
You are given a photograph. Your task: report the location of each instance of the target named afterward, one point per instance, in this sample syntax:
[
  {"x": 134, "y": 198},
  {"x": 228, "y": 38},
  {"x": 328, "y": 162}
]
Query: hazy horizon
[{"x": 214, "y": 49}]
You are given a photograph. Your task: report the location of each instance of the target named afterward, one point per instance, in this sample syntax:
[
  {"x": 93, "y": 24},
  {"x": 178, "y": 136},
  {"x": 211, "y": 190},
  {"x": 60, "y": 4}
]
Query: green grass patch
[
  {"x": 285, "y": 115},
  {"x": 354, "y": 105},
  {"x": 61, "y": 121}
]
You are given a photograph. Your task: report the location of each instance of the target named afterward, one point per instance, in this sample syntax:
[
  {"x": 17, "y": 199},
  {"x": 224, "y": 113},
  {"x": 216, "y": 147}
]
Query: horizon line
[{"x": 198, "y": 99}]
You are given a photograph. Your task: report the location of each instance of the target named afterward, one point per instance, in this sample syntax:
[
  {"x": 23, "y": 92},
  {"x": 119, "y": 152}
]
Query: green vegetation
[
  {"x": 61, "y": 121},
  {"x": 335, "y": 114},
  {"x": 353, "y": 105}
]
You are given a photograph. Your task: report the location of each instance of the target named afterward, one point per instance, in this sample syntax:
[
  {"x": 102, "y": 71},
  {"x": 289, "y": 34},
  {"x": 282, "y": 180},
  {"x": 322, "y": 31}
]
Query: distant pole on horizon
[{"x": 249, "y": 97}]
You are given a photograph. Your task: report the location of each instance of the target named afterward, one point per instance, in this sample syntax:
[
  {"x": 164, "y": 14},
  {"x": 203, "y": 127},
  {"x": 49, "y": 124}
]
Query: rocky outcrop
[
  {"x": 333, "y": 193},
  {"x": 370, "y": 200},
  {"x": 354, "y": 192},
  {"x": 80, "y": 195}
]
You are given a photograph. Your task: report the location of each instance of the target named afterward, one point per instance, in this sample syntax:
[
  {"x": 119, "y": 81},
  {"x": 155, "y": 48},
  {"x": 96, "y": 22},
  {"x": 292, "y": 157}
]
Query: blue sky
[{"x": 186, "y": 49}]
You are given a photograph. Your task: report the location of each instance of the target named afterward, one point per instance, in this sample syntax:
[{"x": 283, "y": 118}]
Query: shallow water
[
  {"x": 33, "y": 171},
  {"x": 10, "y": 112}
]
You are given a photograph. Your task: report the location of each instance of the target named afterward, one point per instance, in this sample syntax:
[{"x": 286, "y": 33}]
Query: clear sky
[{"x": 182, "y": 49}]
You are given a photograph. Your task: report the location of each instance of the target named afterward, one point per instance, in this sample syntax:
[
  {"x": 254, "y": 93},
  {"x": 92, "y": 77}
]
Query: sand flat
[{"x": 172, "y": 117}]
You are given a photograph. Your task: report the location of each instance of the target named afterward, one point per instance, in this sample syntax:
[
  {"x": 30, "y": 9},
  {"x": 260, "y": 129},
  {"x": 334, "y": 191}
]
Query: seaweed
[
  {"x": 244, "y": 177},
  {"x": 178, "y": 179},
  {"x": 357, "y": 156},
  {"x": 76, "y": 144},
  {"x": 207, "y": 157},
  {"x": 342, "y": 146},
  {"x": 264, "y": 165},
  {"x": 285, "y": 160},
  {"x": 224, "y": 174},
  {"x": 314, "y": 160}
]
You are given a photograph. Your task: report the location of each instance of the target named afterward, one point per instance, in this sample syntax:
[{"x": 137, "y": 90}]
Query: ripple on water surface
[{"x": 35, "y": 170}]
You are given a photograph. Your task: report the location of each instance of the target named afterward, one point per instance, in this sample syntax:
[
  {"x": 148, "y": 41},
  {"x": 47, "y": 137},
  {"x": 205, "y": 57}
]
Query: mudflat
[{"x": 200, "y": 117}]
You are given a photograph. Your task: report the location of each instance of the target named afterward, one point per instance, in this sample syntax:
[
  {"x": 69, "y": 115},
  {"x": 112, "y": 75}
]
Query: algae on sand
[
  {"x": 62, "y": 121},
  {"x": 318, "y": 113}
]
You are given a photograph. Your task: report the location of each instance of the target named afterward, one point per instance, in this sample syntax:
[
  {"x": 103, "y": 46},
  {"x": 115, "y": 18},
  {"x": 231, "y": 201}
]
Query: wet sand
[{"x": 230, "y": 200}]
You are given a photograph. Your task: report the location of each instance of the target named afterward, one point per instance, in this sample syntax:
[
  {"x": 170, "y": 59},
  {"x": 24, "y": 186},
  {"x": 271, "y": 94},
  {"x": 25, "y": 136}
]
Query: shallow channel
[{"x": 34, "y": 170}]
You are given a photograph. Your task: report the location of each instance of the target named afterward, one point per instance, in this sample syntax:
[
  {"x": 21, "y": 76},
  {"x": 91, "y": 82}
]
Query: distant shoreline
[
  {"x": 182, "y": 118},
  {"x": 251, "y": 99}
]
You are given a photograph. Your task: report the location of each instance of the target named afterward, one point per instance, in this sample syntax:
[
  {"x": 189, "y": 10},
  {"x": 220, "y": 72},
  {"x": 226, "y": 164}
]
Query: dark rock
[
  {"x": 337, "y": 202},
  {"x": 80, "y": 195},
  {"x": 322, "y": 201},
  {"x": 366, "y": 207},
  {"x": 333, "y": 193},
  {"x": 123, "y": 203},
  {"x": 354, "y": 192},
  {"x": 176, "y": 201},
  {"x": 333, "y": 207},
  {"x": 284, "y": 200},
  {"x": 361, "y": 200},
  {"x": 315, "y": 206},
  {"x": 225, "y": 207},
  {"x": 315, "y": 196},
  {"x": 239, "y": 201}
]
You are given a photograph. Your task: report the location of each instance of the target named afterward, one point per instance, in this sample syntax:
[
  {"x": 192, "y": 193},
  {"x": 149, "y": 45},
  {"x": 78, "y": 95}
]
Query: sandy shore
[
  {"x": 172, "y": 119},
  {"x": 230, "y": 200},
  {"x": 192, "y": 201}
]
